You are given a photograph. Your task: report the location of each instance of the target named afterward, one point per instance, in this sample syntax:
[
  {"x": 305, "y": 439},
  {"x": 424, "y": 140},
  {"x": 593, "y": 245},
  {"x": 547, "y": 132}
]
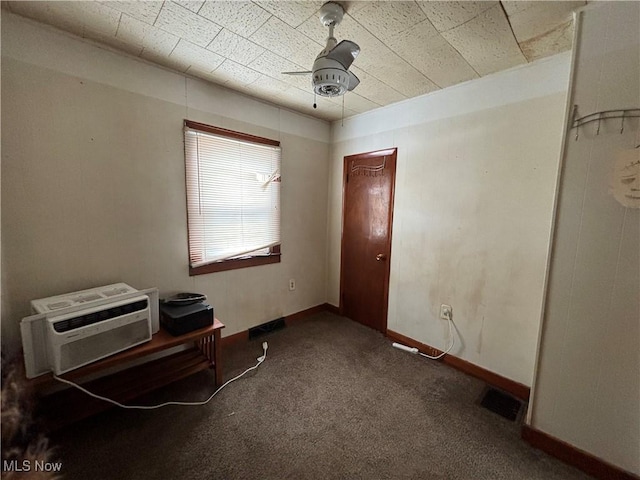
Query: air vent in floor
[
  {"x": 268, "y": 327},
  {"x": 501, "y": 403}
]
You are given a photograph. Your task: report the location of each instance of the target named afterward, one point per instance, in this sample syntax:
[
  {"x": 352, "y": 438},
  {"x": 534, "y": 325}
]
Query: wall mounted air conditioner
[{"x": 72, "y": 330}]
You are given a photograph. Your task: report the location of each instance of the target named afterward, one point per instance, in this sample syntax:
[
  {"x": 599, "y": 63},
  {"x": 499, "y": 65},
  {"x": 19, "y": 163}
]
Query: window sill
[{"x": 234, "y": 264}]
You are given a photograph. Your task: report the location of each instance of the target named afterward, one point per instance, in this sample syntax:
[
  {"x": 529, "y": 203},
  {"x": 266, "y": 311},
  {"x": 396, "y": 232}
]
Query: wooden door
[{"x": 369, "y": 180}]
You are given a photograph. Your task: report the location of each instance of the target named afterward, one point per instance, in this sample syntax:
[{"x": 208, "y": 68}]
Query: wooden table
[{"x": 70, "y": 405}]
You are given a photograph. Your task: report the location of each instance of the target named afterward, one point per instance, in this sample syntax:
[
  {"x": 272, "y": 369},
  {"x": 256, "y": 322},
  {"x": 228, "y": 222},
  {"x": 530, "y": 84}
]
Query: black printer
[{"x": 179, "y": 316}]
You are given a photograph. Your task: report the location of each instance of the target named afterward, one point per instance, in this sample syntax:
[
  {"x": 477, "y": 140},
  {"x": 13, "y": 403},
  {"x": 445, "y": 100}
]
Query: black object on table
[{"x": 181, "y": 319}]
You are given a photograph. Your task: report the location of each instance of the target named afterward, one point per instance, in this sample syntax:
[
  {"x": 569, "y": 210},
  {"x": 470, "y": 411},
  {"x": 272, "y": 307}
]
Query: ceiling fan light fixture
[
  {"x": 330, "y": 75},
  {"x": 329, "y": 90},
  {"x": 330, "y": 82}
]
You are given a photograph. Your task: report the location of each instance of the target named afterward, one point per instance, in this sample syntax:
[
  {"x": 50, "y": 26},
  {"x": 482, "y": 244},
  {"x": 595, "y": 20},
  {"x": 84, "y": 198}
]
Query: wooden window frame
[
  {"x": 242, "y": 262},
  {"x": 235, "y": 263}
]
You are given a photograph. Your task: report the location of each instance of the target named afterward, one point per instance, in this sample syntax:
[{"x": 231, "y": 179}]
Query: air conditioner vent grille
[{"x": 101, "y": 316}]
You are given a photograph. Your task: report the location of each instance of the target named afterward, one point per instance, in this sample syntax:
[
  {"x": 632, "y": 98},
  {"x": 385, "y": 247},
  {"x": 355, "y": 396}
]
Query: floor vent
[
  {"x": 501, "y": 403},
  {"x": 268, "y": 327}
]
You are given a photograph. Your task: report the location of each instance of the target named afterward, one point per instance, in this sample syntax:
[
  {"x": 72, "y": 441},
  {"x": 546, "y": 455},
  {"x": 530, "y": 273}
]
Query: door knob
[{"x": 381, "y": 256}]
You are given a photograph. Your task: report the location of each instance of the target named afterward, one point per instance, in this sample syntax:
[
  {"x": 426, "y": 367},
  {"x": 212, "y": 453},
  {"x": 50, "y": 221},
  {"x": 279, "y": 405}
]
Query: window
[{"x": 233, "y": 199}]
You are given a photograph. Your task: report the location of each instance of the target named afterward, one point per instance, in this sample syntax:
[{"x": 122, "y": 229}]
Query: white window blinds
[{"x": 233, "y": 195}]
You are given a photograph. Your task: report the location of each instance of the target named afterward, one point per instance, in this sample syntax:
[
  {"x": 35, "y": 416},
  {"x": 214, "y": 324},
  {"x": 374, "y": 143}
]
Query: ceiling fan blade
[
  {"x": 345, "y": 53},
  {"x": 297, "y": 73},
  {"x": 353, "y": 81}
]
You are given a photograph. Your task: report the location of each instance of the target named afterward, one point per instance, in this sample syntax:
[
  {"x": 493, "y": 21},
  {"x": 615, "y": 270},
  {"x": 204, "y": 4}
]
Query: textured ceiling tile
[
  {"x": 350, "y": 101},
  {"x": 287, "y": 42},
  {"x": 296, "y": 98},
  {"x": 292, "y": 13},
  {"x": 517, "y": 6},
  {"x": 234, "y": 73},
  {"x": 165, "y": 61},
  {"x": 195, "y": 57},
  {"x": 335, "y": 101},
  {"x": 353, "y": 101},
  {"x": 486, "y": 42},
  {"x": 404, "y": 78},
  {"x": 317, "y": 32},
  {"x": 184, "y": 23},
  {"x": 143, "y": 11},
  {"x": 424, "y": 48},
  {"x": 330, "y": 111},
  {"x": 374, "y": 90},
  {"x": 301, "y": 82},
  {"x": 379, "y": 61},
  {"x": 534, "y": 19},
  {"x": 192, "y": 5},
  {"x": 160, "y": 42},
  {"x": 550, "y": 43},
  {"x": 135, "y": 32},
  {"x": 273, "y": 65},
  {"x": 447, "y": 15},
  {"x": 235, "y": 47},
  {"x": 304, "y": 97},
  {"x": 274, "y": 91},
  {"x": 414, "y": 59},
  {"x": 385, "y": 19},
  {"x": 352, "y": 7},
  {"x": 265, "y": 86},
  {"x": 241, "y": 17},
  {"x": 303, "y": 102}
]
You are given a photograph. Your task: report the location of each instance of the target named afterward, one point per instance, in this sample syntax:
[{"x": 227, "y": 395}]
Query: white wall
[
  {"x": 93, "y": 187},
  {"x": 476, "y": 177},
  {"x": 587, "y": 389}
]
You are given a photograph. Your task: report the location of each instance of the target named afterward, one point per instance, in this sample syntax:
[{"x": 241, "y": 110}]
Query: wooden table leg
[
  {"x": 205, "y": 345},
  {"x": 217, "y": 356}
]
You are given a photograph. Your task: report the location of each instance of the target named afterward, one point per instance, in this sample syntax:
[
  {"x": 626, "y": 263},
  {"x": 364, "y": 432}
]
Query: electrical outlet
[
  {"x": 292, "y": 284},
  {"x": 446, "y": 312}
]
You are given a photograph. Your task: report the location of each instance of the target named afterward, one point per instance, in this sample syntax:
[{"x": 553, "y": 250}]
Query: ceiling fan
[{"x": 330, "y": 74}]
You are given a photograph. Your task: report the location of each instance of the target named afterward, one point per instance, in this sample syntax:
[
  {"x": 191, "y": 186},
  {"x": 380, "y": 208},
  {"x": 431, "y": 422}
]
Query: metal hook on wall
[{"x": 622, "y": 114}]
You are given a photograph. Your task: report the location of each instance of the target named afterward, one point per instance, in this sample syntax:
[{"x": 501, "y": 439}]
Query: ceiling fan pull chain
[{"x": 314, "y": 100}]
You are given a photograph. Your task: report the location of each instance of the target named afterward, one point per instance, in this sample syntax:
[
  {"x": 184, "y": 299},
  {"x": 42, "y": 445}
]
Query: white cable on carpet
[
  {"x": 414, "y": 350},
  {"x": 152, "y": 407}
]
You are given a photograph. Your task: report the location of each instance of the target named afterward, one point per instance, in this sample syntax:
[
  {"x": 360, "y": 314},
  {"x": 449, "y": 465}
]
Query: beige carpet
[{"x": 333, "y": 400}]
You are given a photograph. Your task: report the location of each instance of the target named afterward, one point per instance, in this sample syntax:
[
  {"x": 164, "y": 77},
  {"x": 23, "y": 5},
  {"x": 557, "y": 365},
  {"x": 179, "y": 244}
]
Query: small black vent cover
[
  {"x": 268, "y": 327},
  {"x": 501, "y": 403}
]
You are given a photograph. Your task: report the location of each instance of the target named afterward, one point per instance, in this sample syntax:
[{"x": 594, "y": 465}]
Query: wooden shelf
[
  {"x": 70, "y": 405},
  {"x": 162, "y": 340}
]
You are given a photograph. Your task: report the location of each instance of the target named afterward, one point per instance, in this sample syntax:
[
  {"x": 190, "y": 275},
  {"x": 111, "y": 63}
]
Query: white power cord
[
  {"x": 414, "y": 350},
  {"x": 260, "y": 359}
]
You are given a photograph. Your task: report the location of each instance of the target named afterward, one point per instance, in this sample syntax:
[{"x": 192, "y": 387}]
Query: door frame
[{"x": 363, "y": 156}]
